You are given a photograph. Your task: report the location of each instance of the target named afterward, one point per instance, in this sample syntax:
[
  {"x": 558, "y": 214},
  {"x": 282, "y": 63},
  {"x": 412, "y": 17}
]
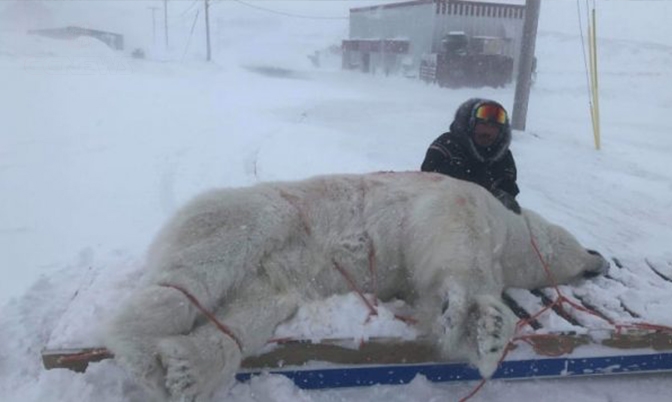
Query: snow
[
  {"x": 98, "y": 149},
  {"x": 345, "y": 317}
]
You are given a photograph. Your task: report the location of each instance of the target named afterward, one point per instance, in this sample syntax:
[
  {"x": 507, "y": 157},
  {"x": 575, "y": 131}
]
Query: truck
[{"x": 465, "y": 61}]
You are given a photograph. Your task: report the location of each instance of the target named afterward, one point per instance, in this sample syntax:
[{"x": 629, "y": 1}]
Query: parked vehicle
[{"x": 469, "y": 62}]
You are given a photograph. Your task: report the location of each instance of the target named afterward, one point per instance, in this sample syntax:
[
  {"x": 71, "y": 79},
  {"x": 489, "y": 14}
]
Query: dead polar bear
[{"x": 252, "y": 255}]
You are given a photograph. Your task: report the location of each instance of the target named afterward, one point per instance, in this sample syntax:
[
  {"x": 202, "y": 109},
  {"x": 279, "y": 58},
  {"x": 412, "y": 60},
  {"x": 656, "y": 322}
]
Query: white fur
[{"x": 252, "y": 255}]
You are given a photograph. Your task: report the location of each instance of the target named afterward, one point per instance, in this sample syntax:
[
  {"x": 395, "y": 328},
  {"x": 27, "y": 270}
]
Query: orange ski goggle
[{"x": 491, "y": 113}]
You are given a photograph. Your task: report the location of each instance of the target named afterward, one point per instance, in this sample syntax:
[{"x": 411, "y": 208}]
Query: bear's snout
[{"x": 601, "y": 266}]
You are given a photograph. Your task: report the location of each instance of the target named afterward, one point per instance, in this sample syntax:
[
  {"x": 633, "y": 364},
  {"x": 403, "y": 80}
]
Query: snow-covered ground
[{"x": 97, "y": 149}]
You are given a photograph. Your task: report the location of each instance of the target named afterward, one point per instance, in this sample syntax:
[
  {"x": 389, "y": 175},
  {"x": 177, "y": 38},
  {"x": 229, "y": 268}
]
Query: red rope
[
  {"x": 372, "y": 306},
  {"x": 480, "y": 385},
  {"x": 545, "y": 265},
  {"x": 354, "y": 287},
  {"x": 474, "y": 391},
  {"x": 206, "y": 313},
  {"x": 565, "y": 346}
]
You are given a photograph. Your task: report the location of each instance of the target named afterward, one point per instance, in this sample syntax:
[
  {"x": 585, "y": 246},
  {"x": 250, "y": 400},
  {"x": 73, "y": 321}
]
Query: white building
[{"x": 393, "y": 37}]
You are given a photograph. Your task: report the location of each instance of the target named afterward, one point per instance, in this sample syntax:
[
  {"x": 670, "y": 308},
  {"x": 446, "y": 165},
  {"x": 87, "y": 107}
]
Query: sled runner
[
  {"x": 333, "y": 363},
  {"x": 351, "y": 376},
  {"x": 592, "y": 333}
]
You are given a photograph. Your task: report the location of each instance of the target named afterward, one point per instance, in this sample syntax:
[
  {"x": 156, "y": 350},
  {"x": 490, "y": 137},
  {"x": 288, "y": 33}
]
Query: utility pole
[
  {"x": 165, "y": 20},
  {"x": 524, "y": 81},
  {"x": 207, "y": 29},
  {"x": 153, "y": 23}
]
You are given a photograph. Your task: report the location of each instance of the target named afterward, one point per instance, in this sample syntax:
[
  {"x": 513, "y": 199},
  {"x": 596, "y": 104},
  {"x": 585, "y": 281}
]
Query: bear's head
[{"x": 553, "y": 256}]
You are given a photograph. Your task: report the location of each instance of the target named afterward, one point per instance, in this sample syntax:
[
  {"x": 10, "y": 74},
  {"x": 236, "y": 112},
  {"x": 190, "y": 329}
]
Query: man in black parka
[{"x": 476, "y": 149}]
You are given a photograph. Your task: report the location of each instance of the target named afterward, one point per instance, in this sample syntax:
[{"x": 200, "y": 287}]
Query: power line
[
  {"x": 165, "y": 20},
  {"x": 583, "y": 48},
  {"x": 286, "y": 14},
  {"x": 193, "y": 25},
  {"x": 153, "y": 9},
  {"x": 189, "y": 8},
  {"x": 207, "y": 28}
]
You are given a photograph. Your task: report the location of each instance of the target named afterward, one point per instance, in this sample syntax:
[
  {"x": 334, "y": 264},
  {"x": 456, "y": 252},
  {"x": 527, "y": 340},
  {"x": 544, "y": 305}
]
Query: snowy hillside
[{"x": 97, "y": 149}]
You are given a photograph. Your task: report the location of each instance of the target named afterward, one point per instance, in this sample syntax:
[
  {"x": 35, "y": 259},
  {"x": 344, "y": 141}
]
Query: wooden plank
[
  {"x": 549, "y": 321},
  {"x": 660, "y": 268},
  {"x": 74, "y": 359},
  {"x": 642, "y": 292},
  {"x": 292, "y": 352},
  {"x": 519, "y": 311},
  {"x": 638, "y": 275},
  {"x": 658, "y": 340},
  {"x": 379, "y": 351},
  {"x": 333, "y": 377},
  {"x": 375, "y": 351},
  {"x": 548, "y": 297},
  {"x": 622, "y": 297}
]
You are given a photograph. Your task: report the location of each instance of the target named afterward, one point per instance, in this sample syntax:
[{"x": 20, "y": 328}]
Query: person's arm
[
  {"x": 507, "y": 175},
  {"x": 444, "y": 159},
  {"x": 504, "y": 187}
]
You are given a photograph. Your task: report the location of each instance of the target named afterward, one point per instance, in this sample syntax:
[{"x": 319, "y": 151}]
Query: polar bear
[{"x": 234, "y": 263}]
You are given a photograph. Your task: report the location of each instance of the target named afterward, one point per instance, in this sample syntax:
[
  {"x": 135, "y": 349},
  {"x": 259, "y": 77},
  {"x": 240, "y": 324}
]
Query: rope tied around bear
[
  {"x": 209, "y": 315},
  {"x": 559, "y": 301},
  {"x": 371, "y": 306},
  {"x": 562, "y": 299}
]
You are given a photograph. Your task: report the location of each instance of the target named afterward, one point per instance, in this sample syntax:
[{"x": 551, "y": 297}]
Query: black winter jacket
[{"x": 449, "y": 154}]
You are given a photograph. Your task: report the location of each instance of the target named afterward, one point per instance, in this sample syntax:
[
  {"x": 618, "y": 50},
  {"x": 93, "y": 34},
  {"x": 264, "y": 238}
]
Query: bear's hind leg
[
  {"x": 132, "y": 336},
  {"x": 198, "y": 363},
  {"x": 193, "y": 363}
]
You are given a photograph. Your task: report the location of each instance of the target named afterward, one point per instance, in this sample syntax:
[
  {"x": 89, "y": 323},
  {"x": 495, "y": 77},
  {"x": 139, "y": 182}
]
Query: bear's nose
[{"x": 602, "y": 268}]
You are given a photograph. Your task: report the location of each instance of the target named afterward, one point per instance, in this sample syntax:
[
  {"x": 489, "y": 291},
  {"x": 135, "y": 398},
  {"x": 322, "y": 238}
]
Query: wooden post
[
  {"x": 207, "y": 29},
  {"x": 524, "y": 80},
  {"x": 595, "y": 88},
  {"x": 153, "y": 24}
]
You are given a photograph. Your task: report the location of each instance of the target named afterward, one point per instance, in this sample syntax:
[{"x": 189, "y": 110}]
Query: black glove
[{"x": 507, "y": 199}]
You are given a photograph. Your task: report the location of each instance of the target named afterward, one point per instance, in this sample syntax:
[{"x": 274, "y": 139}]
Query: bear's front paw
[{"x": 493, "y": 327}]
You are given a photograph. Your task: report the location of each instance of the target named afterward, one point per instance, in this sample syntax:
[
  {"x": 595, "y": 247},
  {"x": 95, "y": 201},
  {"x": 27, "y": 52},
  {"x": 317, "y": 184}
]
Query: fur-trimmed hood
[{"x": 463, "y": 126}]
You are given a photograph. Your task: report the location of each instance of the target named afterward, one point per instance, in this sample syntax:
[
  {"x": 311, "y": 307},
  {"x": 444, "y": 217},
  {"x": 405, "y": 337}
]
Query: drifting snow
[{"x": 97, "y": 149}]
